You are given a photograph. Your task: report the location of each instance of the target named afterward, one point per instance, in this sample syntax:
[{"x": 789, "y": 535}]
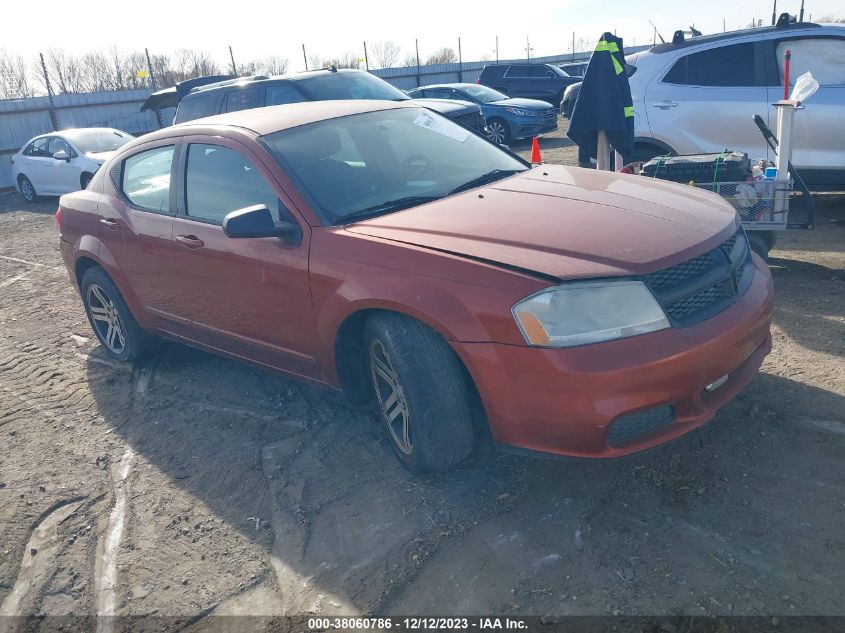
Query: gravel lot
[{"x": 190, "y": 485}]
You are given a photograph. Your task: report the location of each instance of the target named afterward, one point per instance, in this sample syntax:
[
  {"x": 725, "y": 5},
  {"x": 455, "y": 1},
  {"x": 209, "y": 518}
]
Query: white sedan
[{"x": 61, "y": 162}]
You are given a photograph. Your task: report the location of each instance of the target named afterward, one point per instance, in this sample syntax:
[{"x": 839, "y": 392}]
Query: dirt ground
[{"x": 189, "y": 485}]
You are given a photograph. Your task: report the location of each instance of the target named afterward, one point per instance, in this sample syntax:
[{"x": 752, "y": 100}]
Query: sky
[{"x": 328, "y": 28}]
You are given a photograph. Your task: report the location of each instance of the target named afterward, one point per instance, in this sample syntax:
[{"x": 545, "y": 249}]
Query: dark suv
[
  {"x": 243, "y": 93},
  {"x": 535, "y": 81}
]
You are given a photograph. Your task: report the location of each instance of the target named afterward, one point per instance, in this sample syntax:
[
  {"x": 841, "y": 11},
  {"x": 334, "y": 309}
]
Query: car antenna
[{"x": 662, "y": 41}]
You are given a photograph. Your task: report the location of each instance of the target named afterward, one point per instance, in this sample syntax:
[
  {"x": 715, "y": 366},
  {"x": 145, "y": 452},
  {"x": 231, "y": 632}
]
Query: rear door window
[
  {"x": 38, "y": 148},
  {"x": 539, "y": 71},
  {"x": 727, "y": 66},
  {"x": 278, "y": 94},
  {"x": 197, "y": 106},
  {"x": 146, "y": 179},
  {"x": 519, "y": 71},
  {"x": 243, "y": 99}
]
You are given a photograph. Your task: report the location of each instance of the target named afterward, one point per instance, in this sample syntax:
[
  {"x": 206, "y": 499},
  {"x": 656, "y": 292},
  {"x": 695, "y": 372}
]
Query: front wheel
[
  {"x": 498, "y": 132},
  {"x": 758, "y": 244},
  {"x": 110, "y": 318},
  {"x": 421, "y": 392}
]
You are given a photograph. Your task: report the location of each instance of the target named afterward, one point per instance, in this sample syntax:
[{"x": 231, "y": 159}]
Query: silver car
[{"x": 700, "y": 96}]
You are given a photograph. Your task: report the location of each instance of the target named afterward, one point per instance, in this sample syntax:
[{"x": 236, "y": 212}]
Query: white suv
[{"x": 701, "y": 95}]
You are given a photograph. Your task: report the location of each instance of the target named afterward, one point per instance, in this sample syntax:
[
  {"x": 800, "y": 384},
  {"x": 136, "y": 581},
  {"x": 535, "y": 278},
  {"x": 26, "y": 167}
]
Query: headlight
[
  {"x": 520, "y": 112},
  {"x": 589, "y": 312}
]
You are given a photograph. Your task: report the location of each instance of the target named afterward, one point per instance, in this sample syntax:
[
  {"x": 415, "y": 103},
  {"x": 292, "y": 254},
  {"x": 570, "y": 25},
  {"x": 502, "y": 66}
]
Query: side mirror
[
  {"x": 257, "y": 221},
  {"x": 61, "y": 155}
]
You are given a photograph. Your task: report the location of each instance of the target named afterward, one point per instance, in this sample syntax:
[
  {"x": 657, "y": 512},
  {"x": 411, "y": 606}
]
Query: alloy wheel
[
  {"x": 106, "y": 319},
  {"x": 26, "y": 190},
  {"x": 391, "y": 397},
  {"x": 496, "y": 132}
]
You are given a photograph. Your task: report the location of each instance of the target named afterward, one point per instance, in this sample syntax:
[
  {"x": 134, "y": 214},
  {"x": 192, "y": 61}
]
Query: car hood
[
  {"x": 567, "y": 222},
  {"x": 525, "y": 104},
  {"x": 448, "y": 106},
  {"x": 100, "y": 157}
]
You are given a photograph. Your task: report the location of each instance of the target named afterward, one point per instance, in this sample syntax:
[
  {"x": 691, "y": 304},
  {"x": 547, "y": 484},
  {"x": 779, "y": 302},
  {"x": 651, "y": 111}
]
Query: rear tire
[
  {"x": 27, "y": 190},
  {"x": 421, "y": 392},
  {"x": 117, "y": 330},
  {"x": 758, "y": 244}
]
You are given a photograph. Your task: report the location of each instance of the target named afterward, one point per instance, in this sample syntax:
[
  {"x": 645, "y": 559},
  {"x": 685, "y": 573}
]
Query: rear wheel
[
  {"x": 27, "y": 190},
  {"x": 421, "y": 392},
  {"x": 116, "y": 329},
  {"x": 758, "y": 244},
  {"x": 498, "y": 131}
]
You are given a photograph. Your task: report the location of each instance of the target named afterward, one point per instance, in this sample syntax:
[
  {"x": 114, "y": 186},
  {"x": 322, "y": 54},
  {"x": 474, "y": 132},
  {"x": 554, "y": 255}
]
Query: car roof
[
  {"x": 242, "y": 81},
  {"x": 270, "y": 119},
  {"x": 73, "y": 132},
  {"x": 729, "y": 35},
  {"x": 454, "y": 85}
]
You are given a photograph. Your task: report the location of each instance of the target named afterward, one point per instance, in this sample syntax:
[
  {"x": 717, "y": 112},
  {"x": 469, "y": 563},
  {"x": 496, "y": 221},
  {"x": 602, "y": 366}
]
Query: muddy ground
[{"x": 189, "y": 485}]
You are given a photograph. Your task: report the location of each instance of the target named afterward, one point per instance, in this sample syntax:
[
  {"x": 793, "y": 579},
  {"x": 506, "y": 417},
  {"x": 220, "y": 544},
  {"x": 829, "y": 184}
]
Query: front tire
[
  {"x": 421, "y": 392},
  {"x": 27, "y": 190},
  {"x": 498, "y": 131},
  {"x": 110, "y": 318},
  {"x": 758, "y": 244}
]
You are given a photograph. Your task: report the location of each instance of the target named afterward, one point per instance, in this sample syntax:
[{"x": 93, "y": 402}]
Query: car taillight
[
  {"x": 478, "y": 81},
  {"x": 59, "y": 217}
]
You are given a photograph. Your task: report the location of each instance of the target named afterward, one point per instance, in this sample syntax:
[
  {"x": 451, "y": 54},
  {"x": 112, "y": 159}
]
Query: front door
[
  {"x": 64, "y": 175},
  {"x": 248, "y": 297}
]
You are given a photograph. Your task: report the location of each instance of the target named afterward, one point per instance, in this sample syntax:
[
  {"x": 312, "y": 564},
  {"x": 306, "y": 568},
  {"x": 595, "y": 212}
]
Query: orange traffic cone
[{"x": 536, "y": 159}]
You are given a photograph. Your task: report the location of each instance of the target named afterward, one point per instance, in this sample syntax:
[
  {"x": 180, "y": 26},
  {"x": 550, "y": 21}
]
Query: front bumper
[
  {"x": 530, "y": 129},
  {"x": 563, "y": 401}
]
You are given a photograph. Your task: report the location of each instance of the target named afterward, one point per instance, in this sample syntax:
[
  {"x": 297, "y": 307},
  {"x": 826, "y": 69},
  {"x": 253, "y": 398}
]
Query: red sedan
[{"x": 380, "y": 249}]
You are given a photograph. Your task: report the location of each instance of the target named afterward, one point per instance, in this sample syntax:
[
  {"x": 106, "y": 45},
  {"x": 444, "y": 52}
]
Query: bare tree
[
  {"x": 443, "y": 55},
  {"x": 831, "y": 19},
  {"x": 409, "y": 60},
  {"x": 274, "y": 65},
  {"x": 66, "y": 72},
  {"x": 14, "y": 77},
  {"x": 386, "y": 53}
]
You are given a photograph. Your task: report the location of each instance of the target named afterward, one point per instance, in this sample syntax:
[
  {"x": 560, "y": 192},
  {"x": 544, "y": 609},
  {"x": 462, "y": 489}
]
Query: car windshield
[
  {"x": 94, "y": 141},
  {"x": 558, "y": 71},
  {"x": 354, "y": 85},
  {"x": 370, "y": 164},
  {"x": 483, "y": 94}
]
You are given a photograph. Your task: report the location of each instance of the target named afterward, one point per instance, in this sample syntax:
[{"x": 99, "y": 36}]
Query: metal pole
[
  {"x": 573, "y": 46},
  {"x": 232, "y": 57},
  {"x": 153, "y": 85},
  {"x": 460, "y": 63},
  {"x": 774, "y": 12},
  {"x": 366, "y": 58},
  {"x": 527, "y": 49},
  {"x": 52, "y": 108},
  {"x": 417, "y": 46},
  {"x": 304, "y": 58},
  {"x": 801, "y": 15},
  {"x": 497, "y": 49},
  {"x": 723, "y": 26}
]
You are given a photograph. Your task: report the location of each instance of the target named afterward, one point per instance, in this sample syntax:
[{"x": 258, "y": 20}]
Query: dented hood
[{"x": 567, "y": 222}]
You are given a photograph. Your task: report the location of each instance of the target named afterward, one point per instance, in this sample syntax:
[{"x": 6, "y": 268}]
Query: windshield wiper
[
  {"x": 483, "y": 179},
  {"x": 388, "y": 206}
]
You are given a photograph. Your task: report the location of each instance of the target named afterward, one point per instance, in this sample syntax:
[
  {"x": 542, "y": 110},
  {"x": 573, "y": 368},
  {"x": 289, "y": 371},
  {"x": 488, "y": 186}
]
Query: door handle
[
  {"x": 664, "y": 105},
  {"x": 112, "y": 224},
  {"x": 191, "y": 241}
]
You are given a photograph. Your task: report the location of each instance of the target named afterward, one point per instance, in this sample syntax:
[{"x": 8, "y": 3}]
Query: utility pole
[
  {"x": 723, "y": 25},
  {"x": 304, "y": 58},
  {"x": 527, "y": 49},
  {"x": 801, "y": 15},
  {"x": 232, "y": 57},
  {"x": 366, "y": 59},
  {"x": 775, "y": 12},
  {"x": 417, "y": 46},
  {"x": 573, "y": 46},
  {"x": 497, "y": 49},
  {"x": 153, "y": 85},
  {"x": 53, "y": 118},
  {"x": 460, "y": 63}
]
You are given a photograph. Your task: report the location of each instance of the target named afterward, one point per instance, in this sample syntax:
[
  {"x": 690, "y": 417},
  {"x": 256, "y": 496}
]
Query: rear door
[
  {"x": 818, "y": 138},
  {"x": 518, "y": 80},
  {"x": 705, "y": 100},
  {"x": 37, "y": 163},
  {"x": 248, "y": 297},
  {"x": 545, "y": 84}
]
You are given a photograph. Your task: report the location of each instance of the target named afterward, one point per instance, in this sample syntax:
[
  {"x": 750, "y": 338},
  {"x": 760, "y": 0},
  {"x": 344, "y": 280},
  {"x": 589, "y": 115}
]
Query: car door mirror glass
[
  {"x": 257, "y": 221},
  {"x": 61, "y": 155}
]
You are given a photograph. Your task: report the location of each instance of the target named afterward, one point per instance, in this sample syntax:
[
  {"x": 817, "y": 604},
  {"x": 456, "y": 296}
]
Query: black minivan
[{"x": 534, "y": 81}]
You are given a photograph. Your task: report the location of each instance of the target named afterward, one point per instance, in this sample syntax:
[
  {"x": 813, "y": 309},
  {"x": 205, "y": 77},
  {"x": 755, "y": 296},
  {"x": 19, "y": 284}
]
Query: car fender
[{"x": 91, "y": 247}]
